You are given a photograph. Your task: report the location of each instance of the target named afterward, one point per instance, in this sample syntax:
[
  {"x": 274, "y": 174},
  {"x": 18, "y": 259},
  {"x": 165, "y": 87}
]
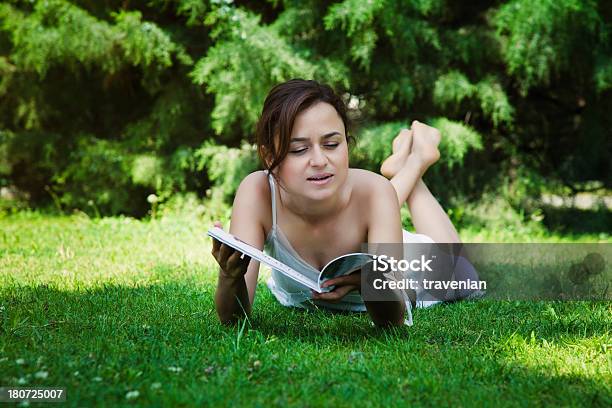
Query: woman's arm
[
  {"x": 238, "y": 279},
  {"x": 385, "y": 227}
]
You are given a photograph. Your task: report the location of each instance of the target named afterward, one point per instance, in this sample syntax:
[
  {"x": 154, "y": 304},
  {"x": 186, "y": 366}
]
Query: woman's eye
[
  {"x": 331, "y": 145},
  {"x": 298, "y": 151}
]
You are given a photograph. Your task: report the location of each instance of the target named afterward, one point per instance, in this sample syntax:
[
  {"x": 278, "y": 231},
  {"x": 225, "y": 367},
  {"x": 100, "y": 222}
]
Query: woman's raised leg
[{"x": 417, "y": 151}]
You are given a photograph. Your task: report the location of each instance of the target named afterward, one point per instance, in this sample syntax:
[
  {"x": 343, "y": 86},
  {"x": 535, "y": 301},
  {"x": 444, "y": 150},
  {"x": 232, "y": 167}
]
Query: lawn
[{"x": 120, "y": 312}]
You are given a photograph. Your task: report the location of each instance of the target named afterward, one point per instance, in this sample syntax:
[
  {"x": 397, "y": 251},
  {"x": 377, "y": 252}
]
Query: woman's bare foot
[
  {"x": 425, "y": 141},
  {"x": 402, "y": 145}
]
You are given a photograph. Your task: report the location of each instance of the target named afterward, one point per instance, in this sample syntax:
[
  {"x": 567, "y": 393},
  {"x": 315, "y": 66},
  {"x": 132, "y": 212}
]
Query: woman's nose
[{"x": 318, "y": 158}]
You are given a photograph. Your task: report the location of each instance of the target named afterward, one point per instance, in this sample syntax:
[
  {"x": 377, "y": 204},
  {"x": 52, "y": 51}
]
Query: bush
[
  {"x": 97, "y": 180},
  {"x": 374, "y": 143},
  {"x": 139, "y": 86},
  {"x": 226, "y": 167}
]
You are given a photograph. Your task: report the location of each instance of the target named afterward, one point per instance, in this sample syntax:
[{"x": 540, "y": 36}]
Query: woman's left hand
[{"x": 344, "y": 284}]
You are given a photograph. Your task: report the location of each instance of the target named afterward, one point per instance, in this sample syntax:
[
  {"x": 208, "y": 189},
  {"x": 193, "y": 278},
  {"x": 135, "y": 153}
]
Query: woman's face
[{"x": 316, "y": 166}]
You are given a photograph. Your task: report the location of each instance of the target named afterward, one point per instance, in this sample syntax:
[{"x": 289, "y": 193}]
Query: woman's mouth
[{"x": 320, "y": 179}]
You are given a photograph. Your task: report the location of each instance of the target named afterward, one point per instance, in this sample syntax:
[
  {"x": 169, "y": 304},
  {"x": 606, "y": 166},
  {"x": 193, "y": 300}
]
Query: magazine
[{"x": 340, "y": 266}]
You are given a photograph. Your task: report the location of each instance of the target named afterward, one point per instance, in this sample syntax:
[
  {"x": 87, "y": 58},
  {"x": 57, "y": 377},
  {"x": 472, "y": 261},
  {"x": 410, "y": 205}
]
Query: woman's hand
[
  {"x": 233, "y": 263},
  {"x": 344, "y": 285}
]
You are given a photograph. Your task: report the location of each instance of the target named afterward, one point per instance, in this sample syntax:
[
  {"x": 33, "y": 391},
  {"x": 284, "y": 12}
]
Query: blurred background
[{"x": 145, "y": 108}]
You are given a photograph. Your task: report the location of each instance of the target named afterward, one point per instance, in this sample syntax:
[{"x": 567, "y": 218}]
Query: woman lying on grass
[{"x": 308, "y": 207}]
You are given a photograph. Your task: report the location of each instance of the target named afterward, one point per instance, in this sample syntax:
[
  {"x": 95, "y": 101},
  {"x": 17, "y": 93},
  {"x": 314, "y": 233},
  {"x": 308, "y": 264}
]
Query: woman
[{"x": 309, "y": 207}]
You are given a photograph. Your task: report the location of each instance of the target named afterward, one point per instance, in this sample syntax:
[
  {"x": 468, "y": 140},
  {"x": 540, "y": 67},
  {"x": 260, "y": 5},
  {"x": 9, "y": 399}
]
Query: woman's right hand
[{"x": 233, "y": 263}]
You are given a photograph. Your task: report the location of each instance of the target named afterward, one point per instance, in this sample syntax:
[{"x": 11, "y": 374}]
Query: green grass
[{"x": 105, "y": 307}]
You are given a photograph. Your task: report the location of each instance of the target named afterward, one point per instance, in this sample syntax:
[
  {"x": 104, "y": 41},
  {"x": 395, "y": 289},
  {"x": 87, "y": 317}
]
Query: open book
[{"x": 342, "y": 265}]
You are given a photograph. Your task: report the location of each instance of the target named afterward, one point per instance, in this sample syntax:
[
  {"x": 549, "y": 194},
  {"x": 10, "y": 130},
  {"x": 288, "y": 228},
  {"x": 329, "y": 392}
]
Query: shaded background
[{"x": 139, "y": 107}]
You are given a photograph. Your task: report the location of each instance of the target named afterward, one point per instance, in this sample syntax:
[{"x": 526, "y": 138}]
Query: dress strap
[{"x": 273, "y": 190}]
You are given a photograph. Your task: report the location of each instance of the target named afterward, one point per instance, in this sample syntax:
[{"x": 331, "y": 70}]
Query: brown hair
[{"x": 282, "y": 105}]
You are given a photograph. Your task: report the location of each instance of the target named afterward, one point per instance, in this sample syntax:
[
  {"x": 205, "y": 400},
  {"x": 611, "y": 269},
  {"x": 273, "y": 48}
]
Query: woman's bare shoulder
[
  {"x": 253, "y": 196},
  {"x": 366, "y": 182},
  {"x": 376, "y": 200},
  {"x": 371, "y": 189},
  {"x": 254, "y": 190},
  {"x": 255, "y": 182}
]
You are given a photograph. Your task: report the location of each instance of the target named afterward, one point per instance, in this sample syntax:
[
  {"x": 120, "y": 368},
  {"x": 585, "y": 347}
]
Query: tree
[{"x": 106, "y": 102}]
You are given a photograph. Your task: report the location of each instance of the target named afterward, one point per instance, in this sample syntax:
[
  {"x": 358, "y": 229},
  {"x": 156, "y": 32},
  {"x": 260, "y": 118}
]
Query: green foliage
[
  {"x": 495, "y": 213},
  {"x": 169, "y": 117},
  {"x": 97, "y": 179},
  {"x": 541, "y": 40},
  {"x": 190, "y": 207},
  {"x": 194, "y": 10},
  {"x": 147, "y": 170},
  {"x": 115, "y": 88},
  {"x": 374, "y": 145},
  {"x": 246, "y": 61},
  {"x": 603, "y": 74},
  {"x": 494, "y": 102},
  {"x": 356, "y": 18},
  {"x": 457, "y": 140},
  {"x": 452, "y": 89},
  {"x": 5, "y": 167},
  {"x": 227, "y": 166},
  {"x": 167, "y": 85},
  {"x": 147, "y": 44},
  {"x": 57, "y": 32}
]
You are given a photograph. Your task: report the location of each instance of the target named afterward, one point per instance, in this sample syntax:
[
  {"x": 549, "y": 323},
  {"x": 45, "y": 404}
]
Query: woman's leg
[
  {"x": 405, "y": 167},
  {"x": 414, "y": 151}
]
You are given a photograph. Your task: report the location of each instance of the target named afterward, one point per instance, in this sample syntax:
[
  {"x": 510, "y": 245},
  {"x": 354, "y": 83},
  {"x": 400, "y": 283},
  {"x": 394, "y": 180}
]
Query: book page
[
  {"x": 256, "y": 254},
  {"x": 344, "y": 265}
]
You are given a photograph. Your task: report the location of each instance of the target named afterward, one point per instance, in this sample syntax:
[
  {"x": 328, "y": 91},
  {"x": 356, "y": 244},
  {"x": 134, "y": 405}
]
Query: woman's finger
[
  {"x": 237, "y": 259},
  {"x": 245, "y": 260},
  {"x": 328, "y": 296},
  {"x": 216, "y": 245},
  {"x": 334, "y": 281},
  {"x": 352, "y": 279},
  {"x": 335, "y": 295},
  {"x": 233, "y": 260},
  {"x": 225, "y": 253}
]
